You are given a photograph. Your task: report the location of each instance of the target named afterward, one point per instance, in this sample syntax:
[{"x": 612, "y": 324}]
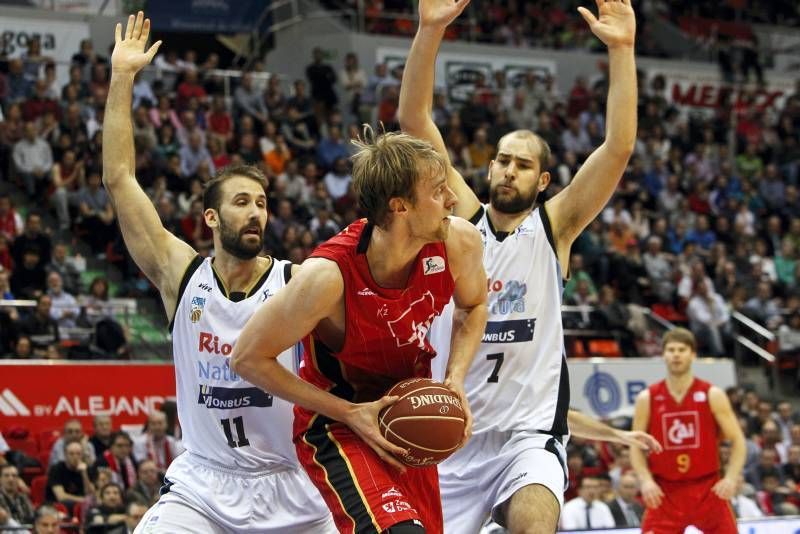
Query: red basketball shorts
[
  {"x": 364, "y": 493},
  {"x": 690, "y": 502}
]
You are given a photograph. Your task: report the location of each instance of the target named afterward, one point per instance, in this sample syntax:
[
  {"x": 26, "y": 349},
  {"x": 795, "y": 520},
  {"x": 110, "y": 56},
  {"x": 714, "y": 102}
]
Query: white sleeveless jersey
[
  {"x": 518, "y": 379},
  {"x": 224, "y": 418}
]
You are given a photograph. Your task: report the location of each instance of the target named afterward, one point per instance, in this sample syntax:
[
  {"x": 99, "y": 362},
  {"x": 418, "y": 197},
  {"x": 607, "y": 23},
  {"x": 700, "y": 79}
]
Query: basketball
[{"x": 427, "y": 420}]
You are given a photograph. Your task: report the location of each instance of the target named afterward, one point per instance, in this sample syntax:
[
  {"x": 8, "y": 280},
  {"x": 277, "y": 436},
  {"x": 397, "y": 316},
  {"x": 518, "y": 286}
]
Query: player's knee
[{"x": 406, "y": 527}]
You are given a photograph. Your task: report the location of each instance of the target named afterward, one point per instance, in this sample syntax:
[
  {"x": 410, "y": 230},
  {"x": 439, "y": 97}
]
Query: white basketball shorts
[
  {"x": 201, "y": 497},
  {"x": 479, "y": 478}
]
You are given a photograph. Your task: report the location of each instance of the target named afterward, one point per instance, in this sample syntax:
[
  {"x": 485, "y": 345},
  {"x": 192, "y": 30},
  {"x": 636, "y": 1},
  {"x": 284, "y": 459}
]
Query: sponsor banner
[
  {"x": 206, "y": 16},
  {"x": 704, "y": 91},
  {"x": 608, "y": 387},
  {"x": 784, "y": 525},
  {"x": 460, "y": 72},
  {"x": 60, "y": 39},
  {"x": 43, "y": 395}
]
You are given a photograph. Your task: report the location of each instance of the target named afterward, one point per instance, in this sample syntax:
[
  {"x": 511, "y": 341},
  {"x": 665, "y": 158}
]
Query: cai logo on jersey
[
  {"x": 198, "y": 303},
  {"x": 506, "y": 297},
  {"x": 411, "y": 327},
  {"x": 681, "y": 430},
  {"x": 517, "y": 331},
  {"x": 229, "y": 398}
]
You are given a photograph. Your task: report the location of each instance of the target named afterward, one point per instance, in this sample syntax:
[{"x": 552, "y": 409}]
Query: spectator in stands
[
  {"x": 19, "y": 87},
  {"x": 120, "y": 460},
  {"x": 147, "y": 485},
  {"x": 331, "y": 148},
  {"x": 33, "y": 160},
  {"x": 744, "y": 506},
  {"x": 8, "y": 522},
  {"x": 248, "y": 101},
  {"x": 10, "y": 221},
  {"x": 40, "y": 327},
  {"x": 658, "y": 265},
  {"x": 38, "y": 104},
  {"x": 354, "y": 82},
  {"x": 688, "y": 282},
  {"x": 46, "y": 520},
  {"x": 189, "y": 88},
  {"x": 625, "y": 509},
  {"x": 73, "y": 433},
  {"x": 155, "y": 444},
  {"x": 791, "y": 469},
  {"x": 337, "y": 180},
  {"x": 16, "y": 503},
  {"x": 767, "y": 463},
  {"x": 763, "y": 308},
  {"x": 28, "y": 277},
  {"x": 23, "y": 349},
  {"x": 322, "y": 226},
  {"x": 32, "y": 239},
  {"x": 774, "y": 498},
  {"x": 68, "y": 481},
  {"x": 219, "y": 120},
  {"x": 97, "y": 214},
  {"x": 67, "y": 178},
  {"x": 709, "y": 319},
  {"x": 193, "y": 155},
  {"x": 65, "y": 309},
  {"x": 134, "y": 512},
  {"x": 101, "y": 438},
  {"x": 110, "y": 511},
  {"x": 65, "y": 267},
  {"x": 297, "y": 133},
  {"x": 322, "y": 78},
  {"x": 586, "y": 511}
]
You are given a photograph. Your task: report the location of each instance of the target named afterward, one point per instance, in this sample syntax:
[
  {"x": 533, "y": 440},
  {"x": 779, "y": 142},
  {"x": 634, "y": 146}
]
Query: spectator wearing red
[
  {"x": 219, "y": 120},
  {"x": 155, "y": 444},
  {"x": 10, "y": 220},
  {"x": 39, "y": 103},
  {"x": 194, "y": 229},
  {"x": 119, "y": 459},
  {"x": 189, "y": 88}
]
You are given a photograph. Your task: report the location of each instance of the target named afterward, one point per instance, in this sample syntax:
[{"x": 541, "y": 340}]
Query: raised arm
[
  {"x": 579, "y": 203},
  {"x": 583, "y": 426},
  {"x": 416, "y": 91},
  {"x": 465, "y": 250},
  {"x": 728, "y": 424},
  {"x": 159, "y": 254},
  {"x": 312, "y": 295}
]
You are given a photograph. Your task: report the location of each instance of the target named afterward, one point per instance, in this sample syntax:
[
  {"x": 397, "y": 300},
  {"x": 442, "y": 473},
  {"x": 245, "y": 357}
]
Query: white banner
[
  {"x": 693, "y": 90},
  {"x": 787, "y": 525},
  {"x": 606, "y": 387},
  {"x": 60, "y": 39},
  {"x": 459, "y": 72}
]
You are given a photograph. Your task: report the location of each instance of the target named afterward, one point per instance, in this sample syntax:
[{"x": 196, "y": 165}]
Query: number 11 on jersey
[{"x": 242, "y": 438}]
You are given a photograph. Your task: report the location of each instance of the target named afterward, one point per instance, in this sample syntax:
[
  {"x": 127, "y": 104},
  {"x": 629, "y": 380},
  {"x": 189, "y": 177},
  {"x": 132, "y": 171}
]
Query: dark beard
[
  {"x": 512, "y": 204},
  {"x": 232, "y": 243}
]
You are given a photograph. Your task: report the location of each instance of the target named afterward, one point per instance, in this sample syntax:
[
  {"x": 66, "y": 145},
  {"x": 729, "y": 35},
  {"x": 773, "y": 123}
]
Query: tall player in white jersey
[
  {"x": 518, "y": 388},
  {"x": 239, "y": 472}
]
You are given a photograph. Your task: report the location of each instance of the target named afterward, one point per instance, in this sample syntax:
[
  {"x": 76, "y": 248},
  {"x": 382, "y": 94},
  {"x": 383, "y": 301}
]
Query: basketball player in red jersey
[
  {"x": 682, "y": 485},
  {"x": 368, "y": 297}
]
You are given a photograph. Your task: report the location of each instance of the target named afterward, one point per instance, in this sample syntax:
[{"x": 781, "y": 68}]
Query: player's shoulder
[
  {"x": 643, "y": 396},
  {"x": 463, "y": 235}
]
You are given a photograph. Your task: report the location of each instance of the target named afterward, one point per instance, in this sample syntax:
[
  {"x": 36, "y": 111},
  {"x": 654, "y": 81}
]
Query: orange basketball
[{"x": 427, "y": 420}]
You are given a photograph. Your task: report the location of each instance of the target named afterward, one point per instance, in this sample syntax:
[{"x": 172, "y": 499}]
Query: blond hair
[
  {"x": 388, "y": 165},
  {"x": 679, "y": 335}
]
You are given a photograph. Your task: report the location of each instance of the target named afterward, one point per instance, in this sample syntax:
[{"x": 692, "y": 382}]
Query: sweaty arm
[
  {"x": 416, "y": 93},
  {"x": 585, "y": 427},
  {"x": 582, "y": 200},
  {"x": 160, "y": 255},
  {"x": 465, "y": 251}
]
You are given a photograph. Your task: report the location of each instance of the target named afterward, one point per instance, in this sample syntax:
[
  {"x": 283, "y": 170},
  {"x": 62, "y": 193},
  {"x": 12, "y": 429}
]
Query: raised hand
[
  {"x": 440, "y": 13},
  {"x": 615, "y": 24},
  {"x": 129, "y": 56}
]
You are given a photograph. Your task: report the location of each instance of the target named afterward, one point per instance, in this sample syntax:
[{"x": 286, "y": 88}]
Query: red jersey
[
  {"x": 386, "y": 329},
  {"x": 687, "y": 430}
]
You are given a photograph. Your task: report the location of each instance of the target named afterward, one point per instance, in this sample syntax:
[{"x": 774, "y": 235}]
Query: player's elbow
[
  {"x": 410, "y": 120},
  {"x": 242, "y": 361},
  {"x": 621, "y": 148}
]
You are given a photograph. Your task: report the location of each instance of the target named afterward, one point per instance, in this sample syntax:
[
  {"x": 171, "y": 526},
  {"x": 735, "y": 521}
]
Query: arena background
[{"x": 711, "y": 193}]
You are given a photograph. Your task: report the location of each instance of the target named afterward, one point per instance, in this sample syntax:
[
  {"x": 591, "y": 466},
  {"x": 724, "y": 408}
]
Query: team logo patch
[
  {"x": 198, "y": 303},
  {"x": 433, "y": 265},
  {"x": 681, "y": 430},
  {"x": 699, "y": 396}
]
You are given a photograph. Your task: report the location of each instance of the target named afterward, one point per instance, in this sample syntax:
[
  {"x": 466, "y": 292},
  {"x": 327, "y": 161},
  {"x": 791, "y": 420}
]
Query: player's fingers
[
  {"x": 118, "y": 33},
  {"x": 387, "y": 400},
  {"x": 587, "y": 16},
  {"x": 386, "y": 454},
  {"x": 129, "y": 27},
  {"x": 145, "y": 30},
  {"x": 137, "y": 27}
]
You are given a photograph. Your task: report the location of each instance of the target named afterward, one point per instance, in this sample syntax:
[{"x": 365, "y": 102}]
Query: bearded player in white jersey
[
  {"x": 514, "y": 466},
  {"x": 239, "y": 472}
]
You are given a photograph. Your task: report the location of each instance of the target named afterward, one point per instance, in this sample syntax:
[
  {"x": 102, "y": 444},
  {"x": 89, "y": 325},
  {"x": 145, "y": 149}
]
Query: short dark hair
[
  {"x": 120, "y": 434},
  {"x": 212, "y": 194}
]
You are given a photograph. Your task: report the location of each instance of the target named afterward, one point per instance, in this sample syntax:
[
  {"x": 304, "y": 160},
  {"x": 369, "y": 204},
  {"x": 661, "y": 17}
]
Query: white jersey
[
  {"x": 518, "y": 379},
  {"x": 224, "y": 418}
]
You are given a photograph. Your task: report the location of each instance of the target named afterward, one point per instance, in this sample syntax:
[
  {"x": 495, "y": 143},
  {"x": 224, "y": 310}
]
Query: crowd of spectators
[
  {"x": 603, "y": 481},
  {"x": 103, "y": 482},
  {"x": 703, "y": 223}
]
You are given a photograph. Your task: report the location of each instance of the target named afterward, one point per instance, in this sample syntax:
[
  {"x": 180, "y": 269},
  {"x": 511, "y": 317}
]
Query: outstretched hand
[
  {"x": 641, "y": 440},
  {"x": 440, "y": 13},
  {"x": 129, "y": 56},
  {"x": 615, "y": 24}
]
